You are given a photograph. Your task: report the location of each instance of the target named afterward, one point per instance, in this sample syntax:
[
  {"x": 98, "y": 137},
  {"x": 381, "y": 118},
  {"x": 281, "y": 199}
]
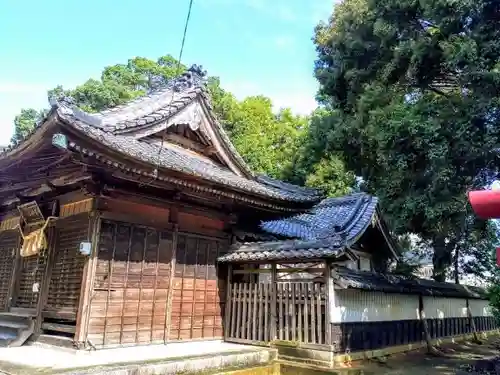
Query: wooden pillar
[
  {"x": 16, "y": 267},
  {"x": 274, "y": 289},
  {"x": 168, "y": 313},
  {"x": 45, "y": 282},
  {"x": 228, "y": 312},
  {"x": 88, "y": 278},
  {"x": 329, "y": 302}
]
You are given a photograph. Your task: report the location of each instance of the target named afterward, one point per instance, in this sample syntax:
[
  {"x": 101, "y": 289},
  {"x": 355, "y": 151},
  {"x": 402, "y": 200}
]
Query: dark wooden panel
[
  {"x": 358, "y": 336},
  {"x": 198, "y": 294},
  {"x": 129, "y": 300},
  {"x": 67, "y": 268},
  {"x": 9, "y": 245}
]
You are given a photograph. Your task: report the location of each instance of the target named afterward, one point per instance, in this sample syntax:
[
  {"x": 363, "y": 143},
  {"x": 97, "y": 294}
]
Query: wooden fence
[{"x": 262, "y": 312}]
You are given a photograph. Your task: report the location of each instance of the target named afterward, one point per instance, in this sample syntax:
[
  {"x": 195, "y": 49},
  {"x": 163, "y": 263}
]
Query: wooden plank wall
[
  {"x": 9, "y": 245},
  {"x": 299, "y": 306},
  {"x": 198, "y": 293},
  {"x": 30, "y": 276},
  {"x": 131, "y": 287},
  {"x": 67, "y": 267}
]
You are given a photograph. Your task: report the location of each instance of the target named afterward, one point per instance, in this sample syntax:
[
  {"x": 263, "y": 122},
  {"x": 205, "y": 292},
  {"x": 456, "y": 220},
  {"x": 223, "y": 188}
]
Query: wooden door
[
  {"x": 131, "y": 288},
  {"x": 28, "y": 279},
  {"x": 198, "y": 291},
  {"x": 67, "y": 264},
  {"x": 9, "y": 245}
]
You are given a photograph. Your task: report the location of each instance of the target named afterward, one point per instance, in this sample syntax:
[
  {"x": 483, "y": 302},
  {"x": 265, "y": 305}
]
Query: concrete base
[
  {"x": 323, "y": 356},
  {"x": 342, "y": 359},
  {"x": 174, "y": 358}
]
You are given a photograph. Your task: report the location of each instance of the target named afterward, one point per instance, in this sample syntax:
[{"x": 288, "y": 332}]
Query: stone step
[{"x": 14, "y": 323}]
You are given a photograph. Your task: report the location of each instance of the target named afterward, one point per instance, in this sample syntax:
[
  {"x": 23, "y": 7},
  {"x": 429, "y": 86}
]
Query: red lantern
[{"x": 485, "y": 203}]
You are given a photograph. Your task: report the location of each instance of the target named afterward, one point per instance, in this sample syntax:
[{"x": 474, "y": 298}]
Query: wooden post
[
  {"x": 228, "y": 312},
  {"x": 88, "y": 278},
  {"x": 168, "y": 313},
  {"x": 329, "y": 299},
  {"x": 16, "y": 260},
  {"x": 44, "y": 284},
  {"x": 273, "y": 301}
]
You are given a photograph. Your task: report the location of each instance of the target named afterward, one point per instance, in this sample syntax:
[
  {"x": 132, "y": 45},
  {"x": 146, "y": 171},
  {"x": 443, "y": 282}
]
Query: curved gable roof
[{"x": 114, "y": 129}]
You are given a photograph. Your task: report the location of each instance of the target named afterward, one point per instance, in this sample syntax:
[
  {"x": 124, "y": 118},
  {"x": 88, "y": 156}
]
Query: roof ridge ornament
[
  {"x": 194, "y": 76},
  {"x": 67, "y": 105}
]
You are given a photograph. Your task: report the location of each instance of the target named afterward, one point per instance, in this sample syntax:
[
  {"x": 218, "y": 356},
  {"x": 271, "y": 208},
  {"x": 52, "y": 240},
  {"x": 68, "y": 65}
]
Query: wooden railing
[{"x": 259, "y": 313}]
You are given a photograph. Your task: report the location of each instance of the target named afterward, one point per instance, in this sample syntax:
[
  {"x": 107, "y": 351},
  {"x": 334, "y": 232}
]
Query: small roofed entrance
[{"x": 279, "y": 291}]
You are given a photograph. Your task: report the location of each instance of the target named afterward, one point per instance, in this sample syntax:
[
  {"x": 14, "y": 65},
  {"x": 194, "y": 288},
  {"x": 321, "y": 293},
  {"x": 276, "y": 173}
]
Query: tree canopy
[{"x": 412, "y": 91}]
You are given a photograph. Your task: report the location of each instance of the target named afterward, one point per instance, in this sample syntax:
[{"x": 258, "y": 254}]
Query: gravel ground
[{"x": 456, "y": 359}]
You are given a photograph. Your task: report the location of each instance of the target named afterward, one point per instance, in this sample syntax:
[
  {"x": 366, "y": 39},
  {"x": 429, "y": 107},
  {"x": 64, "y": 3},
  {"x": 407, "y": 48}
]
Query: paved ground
[{"x": 457, "y": 359}]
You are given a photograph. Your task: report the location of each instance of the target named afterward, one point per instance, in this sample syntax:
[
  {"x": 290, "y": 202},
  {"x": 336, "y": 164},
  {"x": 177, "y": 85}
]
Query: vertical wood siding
[
  {"x": 129, "y": 298},
  {"x": 67, "y": 267},
  {"x": 198, "y": 293},
  {"x": 9, "y": 245},
  {"x": 29, "y": 277}
]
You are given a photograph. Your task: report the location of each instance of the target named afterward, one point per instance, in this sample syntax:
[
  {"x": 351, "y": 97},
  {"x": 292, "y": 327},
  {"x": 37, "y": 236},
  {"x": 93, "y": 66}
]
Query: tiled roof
[
  {"x": 348, "y": 216},
  {"x": 173, "y": 159},
  {"x": 284, "y": 250},
  {"x": 328, "y": 228},
  {"x": 110, "y": 128},
  {"x": 365, "y": 280}
]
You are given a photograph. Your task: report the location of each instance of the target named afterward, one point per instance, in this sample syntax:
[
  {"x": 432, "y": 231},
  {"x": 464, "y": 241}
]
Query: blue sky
[{"x": 254, "y": 46}]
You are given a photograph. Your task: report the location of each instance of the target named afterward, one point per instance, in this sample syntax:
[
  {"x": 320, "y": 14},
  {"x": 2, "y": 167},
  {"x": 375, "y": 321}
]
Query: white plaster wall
[
  {"x": 480, "y": 307},
  {"x": 355, "y": 306},
  {"x": 439, "y": 308}
]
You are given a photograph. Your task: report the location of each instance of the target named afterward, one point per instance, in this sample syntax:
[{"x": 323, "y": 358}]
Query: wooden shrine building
[{"x": 112, "y": 222}]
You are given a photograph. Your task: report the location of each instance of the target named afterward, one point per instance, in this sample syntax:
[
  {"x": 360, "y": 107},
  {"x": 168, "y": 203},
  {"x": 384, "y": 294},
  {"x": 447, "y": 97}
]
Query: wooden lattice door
[
  {"x": 9, "y": 245},
  {"x": 67, "y": 267}
]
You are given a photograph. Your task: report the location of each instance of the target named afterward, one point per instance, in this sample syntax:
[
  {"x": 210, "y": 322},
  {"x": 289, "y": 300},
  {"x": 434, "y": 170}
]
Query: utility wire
[{"x": 186, "y": 24}]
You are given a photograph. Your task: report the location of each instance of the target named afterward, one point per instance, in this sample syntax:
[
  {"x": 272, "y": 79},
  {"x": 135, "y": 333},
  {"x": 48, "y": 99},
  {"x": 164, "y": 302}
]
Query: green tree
[
  {"x": 266, "y": 141},
  {"x": 414, "y": 89},
  {"x": 315, "y": 166},
  {"x": 25, "y": 122}
]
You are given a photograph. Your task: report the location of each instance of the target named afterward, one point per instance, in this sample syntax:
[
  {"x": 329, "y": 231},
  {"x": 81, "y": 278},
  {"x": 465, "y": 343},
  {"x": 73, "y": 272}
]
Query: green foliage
[
  {"x": 413, "y": 88},
  {"x": 316, "y": 166},
  {"x": 25, "y": 122},
  {"x": 267, "y": 141}
]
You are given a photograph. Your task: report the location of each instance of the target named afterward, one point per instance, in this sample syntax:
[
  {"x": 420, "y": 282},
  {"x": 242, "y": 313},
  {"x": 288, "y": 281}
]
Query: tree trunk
[
  {"x": 442, "y": 258},
  {"x": 430, "y": 348},
  {"x": 457, "y": 256}
]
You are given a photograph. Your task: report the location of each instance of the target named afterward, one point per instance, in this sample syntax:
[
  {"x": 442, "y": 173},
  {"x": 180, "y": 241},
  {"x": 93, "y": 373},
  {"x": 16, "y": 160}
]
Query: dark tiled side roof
[
  {"x": 284, "y": 250},
  {"x": 348, "y": 216},
  {"x": 266, "y": 180},
  {"x": 364, "y": 280}
]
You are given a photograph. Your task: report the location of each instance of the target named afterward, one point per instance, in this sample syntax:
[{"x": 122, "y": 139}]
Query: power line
[{"x": 186, "y": 24}]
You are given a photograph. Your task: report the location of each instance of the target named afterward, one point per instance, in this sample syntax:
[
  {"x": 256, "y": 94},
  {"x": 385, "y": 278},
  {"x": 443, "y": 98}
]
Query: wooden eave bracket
[{"x": 337, "y": 279}]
